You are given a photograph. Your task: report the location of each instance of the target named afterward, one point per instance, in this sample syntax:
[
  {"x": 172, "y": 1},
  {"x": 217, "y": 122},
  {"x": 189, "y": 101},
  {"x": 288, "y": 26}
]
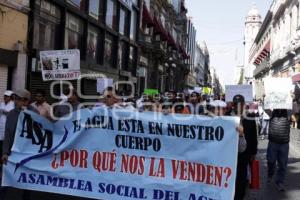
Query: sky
[{"x": 220, "y": 23}]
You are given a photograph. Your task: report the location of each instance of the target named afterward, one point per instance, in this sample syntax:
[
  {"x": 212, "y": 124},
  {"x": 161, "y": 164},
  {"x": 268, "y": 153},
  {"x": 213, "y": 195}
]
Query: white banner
[
  {"x": 278, "y": 93},
  {"x": 245, "y": 90},
  {"x": 103, "y": 83},
  {"x": 60, "y": 64}
]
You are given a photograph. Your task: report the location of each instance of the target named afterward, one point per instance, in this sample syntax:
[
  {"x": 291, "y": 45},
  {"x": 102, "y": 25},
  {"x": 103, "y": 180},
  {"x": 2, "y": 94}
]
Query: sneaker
[{"x": 280, "y": 187}]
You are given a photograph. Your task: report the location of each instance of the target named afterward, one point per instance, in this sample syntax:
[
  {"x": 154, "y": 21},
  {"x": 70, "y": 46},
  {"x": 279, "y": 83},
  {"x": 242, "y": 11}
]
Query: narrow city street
[{"x": 292, "y": 183}]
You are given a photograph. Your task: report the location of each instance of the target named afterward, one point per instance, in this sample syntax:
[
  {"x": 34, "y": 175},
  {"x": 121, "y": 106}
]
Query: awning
[
  {"x": 263, "y": 54},
  {"x": 296, "y": 78},
  {"x": 171, "y": 40},
  {"x": 147, "y": 18},
  {"x": 159, "y": 29},
  {"x": 184, "y": 54}
]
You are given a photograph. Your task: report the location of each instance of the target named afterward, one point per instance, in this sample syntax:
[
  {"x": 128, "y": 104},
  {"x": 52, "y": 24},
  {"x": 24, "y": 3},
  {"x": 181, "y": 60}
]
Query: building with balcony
[
  {"x": 207, "y": 71},
  {"x": 162, "y": 44},
  {"x": 105, "y": 32},
  {"x": 275, "y": 51},
  {"x": 285, "y": 51},
  {"x": 199, "y": 65},
  {"x": 13, "y": 44},
  {"x": 191, "y": 48},
  {"x": 260, "y": 55}
]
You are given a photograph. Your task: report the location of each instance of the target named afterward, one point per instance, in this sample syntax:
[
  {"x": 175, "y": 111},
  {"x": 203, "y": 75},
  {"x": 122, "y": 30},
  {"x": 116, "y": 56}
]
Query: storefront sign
[
  {"x": 60, "y": 65},
  {"x": 125, "y": 73},
  {"x": 141, "y": 72}
]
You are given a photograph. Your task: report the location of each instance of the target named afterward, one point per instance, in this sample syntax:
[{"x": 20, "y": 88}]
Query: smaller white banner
[
  {"x": 245, "y": 90},
  {"x": 60, "y": 64},
  {"x": 278, "y": 93},
  {"x": 103, "y": 83}
]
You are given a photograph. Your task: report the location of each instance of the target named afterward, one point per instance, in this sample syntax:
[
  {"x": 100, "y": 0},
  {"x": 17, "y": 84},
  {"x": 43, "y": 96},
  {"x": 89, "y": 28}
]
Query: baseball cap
[
  {"x": 23, "y": 93},
  {"x": 8, "y": 93}
]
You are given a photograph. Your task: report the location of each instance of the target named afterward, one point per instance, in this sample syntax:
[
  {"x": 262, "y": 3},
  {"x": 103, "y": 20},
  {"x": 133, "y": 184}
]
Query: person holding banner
[
  {"x": 278, "y": 146},
  {"x": 248, "y": 122},
  {"x": 110, "y": 98},
  {"x": 71, "y": 105},
  {"x": 218, "y": 108},
  {"x": 22, "y": 102}
]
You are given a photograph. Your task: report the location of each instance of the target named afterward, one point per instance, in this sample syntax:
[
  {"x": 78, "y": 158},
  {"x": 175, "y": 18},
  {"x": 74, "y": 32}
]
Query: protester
[
  {"x": 5, "y": 108},
  {"x": 218, "y": 108},
  {"x": 295, "y": 112},
  {"x": 194, "y": 106},
  {"x": 278, "y": 147},
  {"x": 110, "y": 97},
  {"x": 71, "y": 105},
  {"x": 179, "y": 107},
  {"x": 41, "y": 105},
  {"x": 248, "y": 121},
  {"x": 264, "y": 123},
  {"x": 22, "y": 102}
]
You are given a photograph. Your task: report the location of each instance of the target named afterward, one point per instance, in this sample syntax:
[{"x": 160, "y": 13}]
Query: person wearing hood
[{"x": 248, "y": 122}]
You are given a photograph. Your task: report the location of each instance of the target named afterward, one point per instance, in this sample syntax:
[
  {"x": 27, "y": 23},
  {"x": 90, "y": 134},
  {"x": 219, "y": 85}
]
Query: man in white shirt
[
  {"x": 41, "y": 105},
  {"x": 5, "y": 108}
]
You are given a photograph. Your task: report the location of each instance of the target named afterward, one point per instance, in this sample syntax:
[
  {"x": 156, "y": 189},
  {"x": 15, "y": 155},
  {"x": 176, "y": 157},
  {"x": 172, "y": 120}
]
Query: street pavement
[
  {"x": 292, "y": 183},
  {"x": 267, "y": 191}
]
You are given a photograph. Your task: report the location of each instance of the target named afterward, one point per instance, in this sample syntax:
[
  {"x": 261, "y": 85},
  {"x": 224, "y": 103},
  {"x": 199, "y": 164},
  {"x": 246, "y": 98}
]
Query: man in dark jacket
[
  {"x": 22, "y": 102},
  {"x": 278, "y": 147},
  {"x": 248, "y": 122}
]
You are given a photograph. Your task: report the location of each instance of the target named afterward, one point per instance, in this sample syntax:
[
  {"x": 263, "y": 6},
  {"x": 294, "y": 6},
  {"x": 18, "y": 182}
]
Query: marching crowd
[{"x": 254, "y": 122}]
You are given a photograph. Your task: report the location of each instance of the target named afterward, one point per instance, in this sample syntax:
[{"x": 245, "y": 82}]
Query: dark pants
[
  {"x": 277, "y": 153},
  {"x": 241, "y": 176},
  {"x": 1, "y": 189}
]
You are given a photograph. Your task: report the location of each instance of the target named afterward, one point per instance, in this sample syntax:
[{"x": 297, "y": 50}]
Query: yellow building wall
[{"x": 13, "y": 27}]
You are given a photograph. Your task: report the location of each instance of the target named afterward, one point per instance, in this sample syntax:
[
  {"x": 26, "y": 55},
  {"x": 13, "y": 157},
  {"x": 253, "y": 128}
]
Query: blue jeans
[
  {"x": 277, "y": 153},
  {"x": 264, "y": 127}
]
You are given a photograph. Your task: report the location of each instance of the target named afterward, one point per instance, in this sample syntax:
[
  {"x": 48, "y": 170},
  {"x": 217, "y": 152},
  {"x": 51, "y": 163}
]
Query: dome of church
[{"x": 253, "y": 12}]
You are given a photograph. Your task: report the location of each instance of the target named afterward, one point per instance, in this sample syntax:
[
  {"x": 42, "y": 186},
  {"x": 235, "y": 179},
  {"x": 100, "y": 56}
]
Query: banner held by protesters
[{"x": 116, "y": 154}]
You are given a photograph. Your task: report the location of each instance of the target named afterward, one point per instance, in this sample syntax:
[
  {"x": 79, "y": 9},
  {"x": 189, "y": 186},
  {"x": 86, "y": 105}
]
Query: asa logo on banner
[
  {"x": 278, "y": 93},
  {"x": 60, "y": 64}
]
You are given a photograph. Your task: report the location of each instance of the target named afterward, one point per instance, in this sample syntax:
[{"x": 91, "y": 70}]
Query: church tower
[{"x": 252, "y": 26}]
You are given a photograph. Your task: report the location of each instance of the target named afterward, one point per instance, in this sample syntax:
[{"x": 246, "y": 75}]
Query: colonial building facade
[
  {"x": 105, "y": 32},
  {"x": 275, "y": 51},
  {"x": 13, "y": 44},
  {"x": 163, "y": 39}
]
